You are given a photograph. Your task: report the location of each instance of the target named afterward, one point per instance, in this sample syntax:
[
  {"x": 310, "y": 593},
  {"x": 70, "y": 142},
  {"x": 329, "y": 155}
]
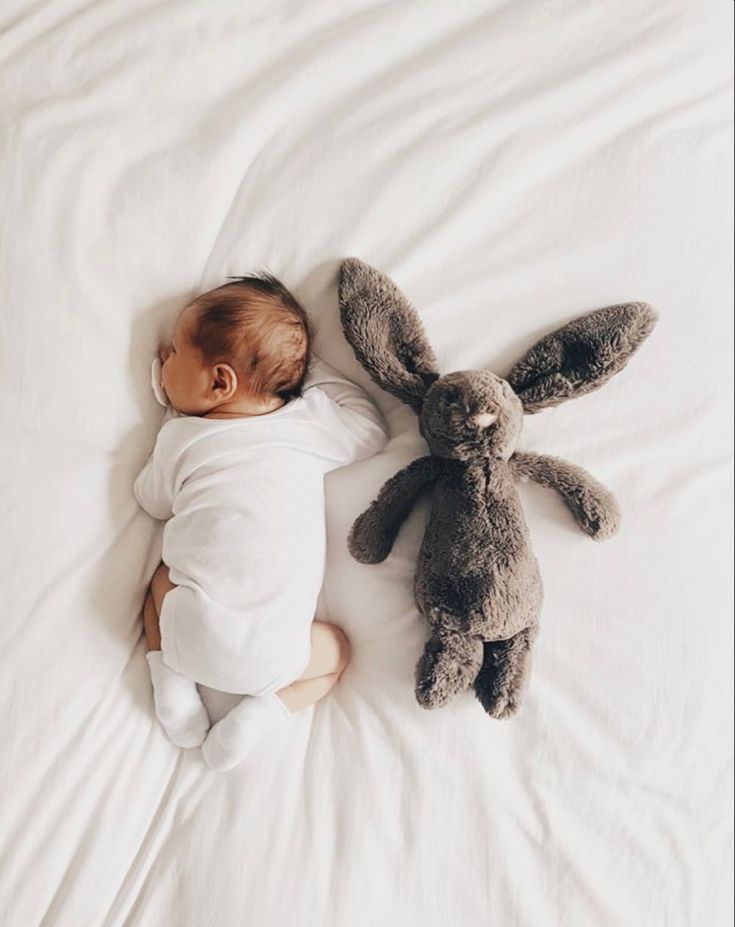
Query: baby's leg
[
  {"x": 179, "y": 706},
  {"x": 231, "y": 739}
]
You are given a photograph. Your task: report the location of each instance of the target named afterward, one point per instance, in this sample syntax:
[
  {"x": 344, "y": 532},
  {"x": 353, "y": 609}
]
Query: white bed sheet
[{"x": 511, "y": 165}]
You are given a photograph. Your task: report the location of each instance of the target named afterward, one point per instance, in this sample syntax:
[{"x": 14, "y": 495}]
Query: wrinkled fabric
[{"x": 510, "y": 166}]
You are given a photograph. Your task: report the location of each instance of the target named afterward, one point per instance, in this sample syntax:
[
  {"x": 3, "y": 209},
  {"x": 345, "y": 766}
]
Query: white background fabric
[{"x": 510, "y": 165}]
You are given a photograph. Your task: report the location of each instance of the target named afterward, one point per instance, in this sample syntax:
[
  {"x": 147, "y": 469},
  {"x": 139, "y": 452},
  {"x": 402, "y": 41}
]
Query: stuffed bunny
[{"x": 477, "y": 582}]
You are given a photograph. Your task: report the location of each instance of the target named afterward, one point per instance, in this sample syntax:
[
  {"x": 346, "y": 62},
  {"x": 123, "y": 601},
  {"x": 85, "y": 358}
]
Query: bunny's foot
[
  {"x": 448, "y": 666},
  {"x": 501, "y": 681}
]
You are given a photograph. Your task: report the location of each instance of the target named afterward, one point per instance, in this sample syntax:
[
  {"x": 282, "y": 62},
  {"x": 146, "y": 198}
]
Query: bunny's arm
[
  {"x": 374, "y": 532},
  {"x": 591, "y": 504}
]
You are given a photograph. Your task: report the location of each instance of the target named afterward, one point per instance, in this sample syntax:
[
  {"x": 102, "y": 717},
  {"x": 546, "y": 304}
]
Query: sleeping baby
[{"x": 237, "y": 473}]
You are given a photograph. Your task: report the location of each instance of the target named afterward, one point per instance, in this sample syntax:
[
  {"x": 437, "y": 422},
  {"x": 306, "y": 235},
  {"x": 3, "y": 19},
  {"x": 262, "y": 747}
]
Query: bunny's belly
[{"x": 476, "y": 572}]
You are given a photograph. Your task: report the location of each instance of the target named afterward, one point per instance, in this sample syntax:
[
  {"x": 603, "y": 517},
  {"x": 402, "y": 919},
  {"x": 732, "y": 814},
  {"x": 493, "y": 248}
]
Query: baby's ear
[
  {"x": 579, "y": 357},
  {"x": 385, "y": 332},
  {"x": 224, "y": 382}
]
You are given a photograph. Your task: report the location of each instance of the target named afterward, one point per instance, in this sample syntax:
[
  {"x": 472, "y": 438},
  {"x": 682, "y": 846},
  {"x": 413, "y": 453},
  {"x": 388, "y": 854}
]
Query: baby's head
[{"x": 242, "y": 345}]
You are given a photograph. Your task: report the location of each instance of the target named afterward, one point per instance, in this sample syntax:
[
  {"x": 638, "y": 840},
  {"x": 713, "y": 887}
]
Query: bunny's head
[
  {"x": 469, "y": 414},
  {"x": 474, "y": 414}
]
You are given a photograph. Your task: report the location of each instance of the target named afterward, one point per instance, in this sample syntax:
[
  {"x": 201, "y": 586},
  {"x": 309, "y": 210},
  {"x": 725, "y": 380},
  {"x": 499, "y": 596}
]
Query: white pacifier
[{"x": 156, "y": 382}]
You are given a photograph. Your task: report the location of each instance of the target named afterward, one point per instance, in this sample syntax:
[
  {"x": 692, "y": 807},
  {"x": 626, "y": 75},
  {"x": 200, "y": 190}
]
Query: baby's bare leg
[
  {"x": 160, "y": 585},
  {"x": 330, "y": 654},
  {"x": 150, "y": 624}
]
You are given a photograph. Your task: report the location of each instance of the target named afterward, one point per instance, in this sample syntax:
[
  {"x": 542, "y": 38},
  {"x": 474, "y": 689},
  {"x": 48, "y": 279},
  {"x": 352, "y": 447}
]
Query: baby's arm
[
  {"x": 154, "y": 486},
  {"x": 356, "y": 413}
]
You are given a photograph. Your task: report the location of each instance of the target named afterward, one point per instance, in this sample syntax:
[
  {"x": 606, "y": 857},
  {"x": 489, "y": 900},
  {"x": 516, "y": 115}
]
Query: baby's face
[{"x": 184, "y": 375}]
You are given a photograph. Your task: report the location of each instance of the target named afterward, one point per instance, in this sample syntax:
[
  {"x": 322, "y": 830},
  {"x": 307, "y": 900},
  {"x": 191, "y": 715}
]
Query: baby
[{"x": 237, "y": 472}]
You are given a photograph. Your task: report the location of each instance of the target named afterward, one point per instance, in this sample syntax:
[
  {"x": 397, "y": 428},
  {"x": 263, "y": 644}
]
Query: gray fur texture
[{"x": 477, "y": 581}]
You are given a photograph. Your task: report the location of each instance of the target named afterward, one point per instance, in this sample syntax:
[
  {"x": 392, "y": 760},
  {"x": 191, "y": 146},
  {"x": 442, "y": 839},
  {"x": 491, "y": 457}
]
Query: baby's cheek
[{"x": 167, "y": 379}]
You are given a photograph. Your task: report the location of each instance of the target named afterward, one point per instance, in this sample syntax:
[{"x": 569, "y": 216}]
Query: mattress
[{"x": 510, "y": 165}]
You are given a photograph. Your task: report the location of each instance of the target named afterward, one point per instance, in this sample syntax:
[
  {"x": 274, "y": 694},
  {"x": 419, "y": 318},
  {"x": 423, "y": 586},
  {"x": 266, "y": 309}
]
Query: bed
[{"x": 510, "y": 165}]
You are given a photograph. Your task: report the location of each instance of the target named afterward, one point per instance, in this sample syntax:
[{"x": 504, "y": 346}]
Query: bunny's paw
[
  {"x": 595, "y": 510},
  {"x": 366, "y": 542},
  {"x": 601, "y": 518}
]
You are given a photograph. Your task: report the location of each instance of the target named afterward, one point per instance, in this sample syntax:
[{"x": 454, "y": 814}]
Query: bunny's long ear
[
  {"x": 386, "y": 333},
  {"x": 579, "y": 357}
]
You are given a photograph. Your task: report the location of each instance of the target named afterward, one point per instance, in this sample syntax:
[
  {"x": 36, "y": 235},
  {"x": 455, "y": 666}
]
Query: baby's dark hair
[{"x": 256, "y": 325}]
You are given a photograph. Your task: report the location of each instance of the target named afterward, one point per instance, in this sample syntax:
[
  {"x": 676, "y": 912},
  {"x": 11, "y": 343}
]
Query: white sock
[
  {"x": 179, "y": 706},
  {"x": 232, "y": 739}
]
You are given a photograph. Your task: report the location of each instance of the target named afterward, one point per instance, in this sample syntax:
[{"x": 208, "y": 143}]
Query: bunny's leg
[
  {"x": 501, "y": 681},
  {"x": 448, "y": 666}
]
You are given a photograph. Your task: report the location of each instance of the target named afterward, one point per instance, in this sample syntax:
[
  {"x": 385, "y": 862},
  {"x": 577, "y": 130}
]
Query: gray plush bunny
[{"x": 477, "y": 582}]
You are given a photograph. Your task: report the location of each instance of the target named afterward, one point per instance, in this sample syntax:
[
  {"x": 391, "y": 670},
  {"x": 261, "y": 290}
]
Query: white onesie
[{"x": 245, "y": 534}]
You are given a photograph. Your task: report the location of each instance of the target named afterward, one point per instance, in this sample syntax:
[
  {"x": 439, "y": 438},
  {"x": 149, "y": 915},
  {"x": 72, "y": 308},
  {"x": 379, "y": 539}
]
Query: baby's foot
[
  {"x": 179, "y": 706},
  {"x": 232, "y": 739}
]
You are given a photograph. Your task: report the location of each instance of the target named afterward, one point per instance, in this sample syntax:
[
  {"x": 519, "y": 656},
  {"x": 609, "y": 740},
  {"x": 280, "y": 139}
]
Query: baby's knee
[{"x": 342, "y": 647}]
